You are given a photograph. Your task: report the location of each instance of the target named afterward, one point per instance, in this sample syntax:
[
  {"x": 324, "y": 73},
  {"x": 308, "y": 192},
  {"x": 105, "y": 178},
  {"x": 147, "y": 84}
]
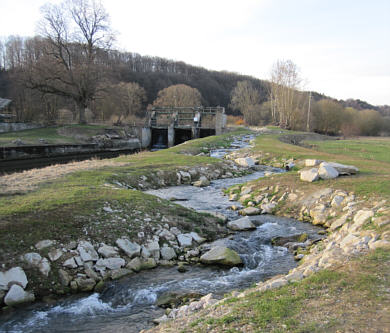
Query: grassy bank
[
  {"x": 65, "y": 205},
  {"x": 371, "y": 156},
  {"x": 351, "y": 296},
  {"x": 52, "y": 135}
]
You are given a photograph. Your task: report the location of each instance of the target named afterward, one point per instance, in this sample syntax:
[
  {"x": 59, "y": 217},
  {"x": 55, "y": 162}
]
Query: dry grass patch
[{"x": 22, "y": 182}]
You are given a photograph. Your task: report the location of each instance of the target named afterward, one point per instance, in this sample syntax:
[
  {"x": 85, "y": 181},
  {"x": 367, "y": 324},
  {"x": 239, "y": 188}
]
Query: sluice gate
[{"x": 171, "y": 126}]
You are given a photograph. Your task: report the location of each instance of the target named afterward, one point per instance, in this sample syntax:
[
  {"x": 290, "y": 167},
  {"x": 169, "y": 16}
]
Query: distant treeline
[{"x": 140, "y": 79}]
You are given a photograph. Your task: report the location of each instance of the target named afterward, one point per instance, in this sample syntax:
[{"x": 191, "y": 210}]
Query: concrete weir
[{"x": 171, "y": 126}]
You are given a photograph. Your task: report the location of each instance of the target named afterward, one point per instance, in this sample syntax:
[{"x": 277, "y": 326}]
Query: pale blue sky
[{"x": 342, "y": 47}]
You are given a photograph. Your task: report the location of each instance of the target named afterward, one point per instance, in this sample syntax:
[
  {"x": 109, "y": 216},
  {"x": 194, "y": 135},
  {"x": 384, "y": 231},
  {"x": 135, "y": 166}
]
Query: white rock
[
  {"x": 310, "y": 175},
  {"x": 16, "y": 295},
  {"x": 87, "y": 251},
  {"x": 339, "y": 222},
  {"x": 245, "y": 161},
  {"x": 15, "y": 275},
  {"x": 202, "y": 182},
  {"x": 337, "y": 201},
  {"x": 44, "y": 243},
  {"x": 241, "y": 224},
  {"x": 130, "y": 248},
  {"x": 185, "y": 240},
  {"x": 32, "y": 259},
  {"x": 326, "y": 171},
  {"x": 344, "y": 169},
  {"x": 361, "y": 217},
  {"x": 185, "y": 177},
  {"x": 250, "y": 211},
  {"x": 382, "y": 243},
  {"x": 110, "y": 263},
  {"x": 176, "y": 231},
  {"x": 108, "y": 251},
  {"x": 267, "y": 208},
  {"x": 195, "y": 236},
  {"x": 55, "y": 254},
  {"x": 312, "y": 163},
  {"x": 70, "y": 263},
  {"x": 167, "y": 235},
  {"x": 44, "y": 267},
  {"x": 167, "y": 253},
  {"x": 154, "y": 249}
]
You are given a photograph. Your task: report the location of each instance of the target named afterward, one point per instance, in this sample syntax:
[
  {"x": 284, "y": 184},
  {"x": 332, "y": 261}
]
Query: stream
[{"x": 128, "y": 305}]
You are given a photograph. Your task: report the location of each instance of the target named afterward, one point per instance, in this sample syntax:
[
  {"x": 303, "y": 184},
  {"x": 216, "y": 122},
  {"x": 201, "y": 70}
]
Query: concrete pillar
[
  {"x": 195, "y": 132},
  {"x": 146, "y": 137},
  {"x": 171, "y": 135},
  {"x": 218, "y": 123}
]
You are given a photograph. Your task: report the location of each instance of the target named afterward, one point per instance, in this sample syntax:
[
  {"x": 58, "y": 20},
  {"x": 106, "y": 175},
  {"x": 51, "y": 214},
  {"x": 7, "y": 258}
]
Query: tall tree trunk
[{"x": 81, "y": 110}]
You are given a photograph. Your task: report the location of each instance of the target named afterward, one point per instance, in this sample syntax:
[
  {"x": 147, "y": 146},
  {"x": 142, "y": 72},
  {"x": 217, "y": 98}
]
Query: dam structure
[{"x": 170, "y": 126}]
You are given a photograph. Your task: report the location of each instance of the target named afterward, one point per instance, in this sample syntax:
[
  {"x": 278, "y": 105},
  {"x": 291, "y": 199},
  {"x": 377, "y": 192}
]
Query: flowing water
[{"x": 128, "y": 305}]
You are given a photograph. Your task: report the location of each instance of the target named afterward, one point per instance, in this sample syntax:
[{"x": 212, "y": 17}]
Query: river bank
[
  {"x": 286, "y": 190},
  {"x": 345, "y": 271},
  {"x": 55, "y": 220}
]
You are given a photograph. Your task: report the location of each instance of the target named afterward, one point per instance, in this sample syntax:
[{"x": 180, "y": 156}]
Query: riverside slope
[{"x": 341, "y": 279}]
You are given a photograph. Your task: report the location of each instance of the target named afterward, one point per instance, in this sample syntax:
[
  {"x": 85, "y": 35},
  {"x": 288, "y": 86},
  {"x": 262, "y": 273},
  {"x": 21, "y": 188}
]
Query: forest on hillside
[{"x": 73, "y": 68}]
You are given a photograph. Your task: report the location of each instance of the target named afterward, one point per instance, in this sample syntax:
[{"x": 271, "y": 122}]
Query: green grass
[
  {"x": 304, "y": 306},
  {"x": 373, "y": 162},
  {"x": 66, "y": 207},
  {"x": 377, "y": 149},
  {"x": 50, "y": 134}
]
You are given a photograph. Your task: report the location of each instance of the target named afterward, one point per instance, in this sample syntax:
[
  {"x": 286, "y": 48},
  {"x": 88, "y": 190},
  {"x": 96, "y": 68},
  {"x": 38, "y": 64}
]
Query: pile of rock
[
  {"x": 317, "y": 169},
  {"x": 84, "y": 266},
  {"x": 12, "y": 285}
]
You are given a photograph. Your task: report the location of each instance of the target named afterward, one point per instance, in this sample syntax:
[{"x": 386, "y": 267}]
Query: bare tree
[
  {"x": 178, "y": 95},
  {"x": 246, "y": 99},
  {"x": 284, "y": 92},
  {"x": 68, "y": 65},
  {"x": 122, "y": 100}
]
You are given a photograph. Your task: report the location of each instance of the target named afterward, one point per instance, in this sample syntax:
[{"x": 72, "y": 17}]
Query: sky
[{"x": 342, "y": 47}]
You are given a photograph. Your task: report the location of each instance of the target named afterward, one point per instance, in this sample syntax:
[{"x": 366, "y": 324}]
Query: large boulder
[
  {"x": 250, "y": 211},
  {"x": 245, "y": 162},
  {"x": 344, "y": 169},
  {"x": 310, "y": 175},
  {"x": 16, "y": 295},
  {"x": 221, "y": 255},
  {"x": 326, "y": 171},
  {"x": 15, "y": 275},
  {"x": 130, "y": 248},
  {"x": 241, "y": 224},
  {"x": 202, "y": 182}
]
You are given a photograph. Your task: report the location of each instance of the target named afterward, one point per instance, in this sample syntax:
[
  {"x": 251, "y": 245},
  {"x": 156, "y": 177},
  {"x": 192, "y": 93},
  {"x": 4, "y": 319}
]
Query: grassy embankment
[
  {"x": 351, "y": 298},
  {"x": 69, "y": 206},
  {"x": 52, "y": 135}
]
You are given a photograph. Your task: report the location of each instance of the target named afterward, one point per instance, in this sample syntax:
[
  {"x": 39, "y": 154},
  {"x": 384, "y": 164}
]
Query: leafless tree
[
  {"x": 122, "y": 100},
  {"x": 178, "y": 95},
  {"x": 247, "y": 99},
  {"x": 284, "y": 92},
  {"x": 67, "y": 64}
]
